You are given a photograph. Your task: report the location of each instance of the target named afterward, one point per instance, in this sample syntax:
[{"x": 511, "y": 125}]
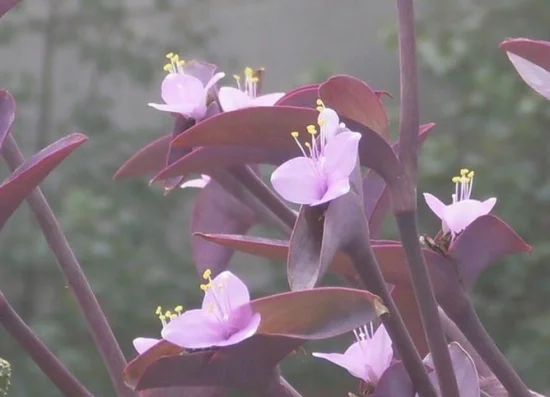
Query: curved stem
[
  {"x": 469, "y": 323},
  {"x": 424, "y": 293},
  {"x": 97, "y": 323},
  {"x": 41, "y": 355}
]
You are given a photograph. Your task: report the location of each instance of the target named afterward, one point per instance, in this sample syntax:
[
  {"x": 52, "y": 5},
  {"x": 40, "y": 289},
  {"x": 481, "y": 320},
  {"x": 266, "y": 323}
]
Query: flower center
[
  {"x": 215, "y": 291},
  {"x": 250, "y": 85},
  {"x": 175, "y": 65},
  {"x": 463, "y": 185},
  {"x": 166, "y": 316}
]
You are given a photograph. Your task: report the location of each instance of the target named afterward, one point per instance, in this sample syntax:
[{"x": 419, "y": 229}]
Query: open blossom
[
  {"x": 143, "y": 344},
  {"x": 322, "y": 173},
  {"x": 368, "y": 357},
  {"x": 245, "y": 95},
  {"x": 198, "y": 183},
  {"x": 225, "y": 318},
  {"x": 185, "y": 89},
  {"x": 457, "y": 216}
]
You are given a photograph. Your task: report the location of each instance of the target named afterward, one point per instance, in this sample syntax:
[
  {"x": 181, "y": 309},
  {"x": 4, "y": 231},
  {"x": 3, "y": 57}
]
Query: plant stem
[
  {"x": 368, "y": 269},
  {"x": 97, "y": 323},
  {"x": 469, "y": 323},
  {"x": 280, "y": 388},
  {"x": 424, "y": 293},
  {"x": 42, "y": 356},
  {"x": 258, "y": 188}
]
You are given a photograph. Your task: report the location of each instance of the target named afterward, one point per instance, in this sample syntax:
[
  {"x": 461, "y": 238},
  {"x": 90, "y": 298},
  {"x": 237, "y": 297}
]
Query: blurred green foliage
[
  {"x": 5, "y": 376},
  {"x": 488, "y": 119}
]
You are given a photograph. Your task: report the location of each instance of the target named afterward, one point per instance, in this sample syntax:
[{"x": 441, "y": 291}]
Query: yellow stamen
[
  {"x": 464, "y": 171},
  {"x": 320, "y": 105},
  {"x": 170, "y": 55},
  {"x": 295, "y": 134},
  {"x": 248, "y": 72},
  {"x": 207, "y": 274},
  {"x": 168, "y": 68},
  {"x": 470, "y": 174},
  {"x": 237, "y": 77},
  {"x": 311, "y": 129}
]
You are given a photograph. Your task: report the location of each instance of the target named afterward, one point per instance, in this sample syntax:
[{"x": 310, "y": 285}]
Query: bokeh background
[{"x": 92, "y": 66}]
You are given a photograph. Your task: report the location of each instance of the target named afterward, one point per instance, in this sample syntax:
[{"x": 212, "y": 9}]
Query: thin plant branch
[{"x": 97, "y": 323}]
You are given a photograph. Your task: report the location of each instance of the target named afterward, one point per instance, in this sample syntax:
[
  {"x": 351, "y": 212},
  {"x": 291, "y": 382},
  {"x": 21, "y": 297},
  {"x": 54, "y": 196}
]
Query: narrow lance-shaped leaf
[
  {"x": 531, "y": 58},
  {"x": 7, "y": 114},
  {"x": 31, "y": 173},
  {"x": 147, "y": 161}
]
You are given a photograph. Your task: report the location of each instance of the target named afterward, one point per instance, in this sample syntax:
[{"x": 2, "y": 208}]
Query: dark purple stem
[
  {"x": 42, "y": 356},
  {"x": 97, "y": 323},
  {"x": 258, "y": 188},
  {"x": 468, "y": 321},
  {"x": 424, "y": 293},
  {"x": 368, "y": 269},
  {"x": 404, "y": 200}
]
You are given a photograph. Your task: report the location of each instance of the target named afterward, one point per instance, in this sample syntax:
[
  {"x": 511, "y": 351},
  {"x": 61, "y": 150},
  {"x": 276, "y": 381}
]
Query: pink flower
[
  {"x": 198, "y": 183},
  {"x": 322, "y": 174},
  {"x": 185, "y": 89},
  {"x": 457, "y": 216},
  {"x": 245, "y": 96},
  {"x": 225, "y": 318},
  {"x": 368, "y": 357},
  {"x": 143, "y": 344}
]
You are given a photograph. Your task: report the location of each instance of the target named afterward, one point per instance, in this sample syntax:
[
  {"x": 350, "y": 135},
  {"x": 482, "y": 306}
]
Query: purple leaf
[
  {"x": 31, "y": 173},
  {"x": 181, "y": 124},
  {"x": 531, "y": 58},
  {"x": 216, "y": 211},
  {"x": 483, "y": 242},
  {"x": 353, "y": 99},
  {"x": 7, "y": 114},
  {"x": 148, "y": 161},
  {"x": 270, "y": 127},
  {"x": 395, "y": 382},
  {"x": 190, "y": 391},
  {"x": 5, "y": 6},
  {"x": 204, "y": 159},
  {"x": 304, "y": 96}
]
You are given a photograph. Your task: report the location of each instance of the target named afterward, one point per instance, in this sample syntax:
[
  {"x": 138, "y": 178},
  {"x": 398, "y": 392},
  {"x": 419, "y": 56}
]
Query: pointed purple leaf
[
  {"x": 33, "y": 171},
  {"x": 205, "y": 159},
  {"x": 354, "y": 99},
  {"x": 305, "y": 96},
  {"x": 189, "y": 391},
  {"x": 148, "y": 161},
  {"x": 216, "y": 211},
  {"x": 531, "y": 58},
  {"x": 270, "y": 127},
  {"x": 483, "y": 242},
  {"x": 181, "y": 124},
  {"x": 394, "y": 382},
  {"x": 7, "y": 114},
  {"x": 6, "y": 5}
]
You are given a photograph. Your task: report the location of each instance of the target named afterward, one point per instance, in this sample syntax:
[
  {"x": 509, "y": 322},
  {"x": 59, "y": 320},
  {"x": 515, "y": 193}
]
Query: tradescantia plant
[{"x": 407, "y": 302}]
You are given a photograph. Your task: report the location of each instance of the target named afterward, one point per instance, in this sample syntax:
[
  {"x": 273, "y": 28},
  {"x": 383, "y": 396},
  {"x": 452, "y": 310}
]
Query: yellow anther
[
  {"x": 308, "y": 145},
  {"x": 456, "y": 179},
  {"x": 237, "y": 77},
  {"x": 248, "y": 72},
  {"x": 168, "y": 68},
  {"x": 181, "y": 63},
  {"x": 178, "y": 309},
  {"x": 205, "y": 287},
  {"x": 320, "y": 108},
  {"x": 464, "y": 171},
  {"x": 295, "y": 134},
  {"x": 162, "y": 317},
  {"x": 311, "y": 129},
  {"x": 158, "y": 311},
  {"x": 170, "y": 55},
  {"x": 320, "y": 102},
  {"x": 207, "y": 274},
  {"x": 168, "y": 314},
  {"x": 470, "y": 174},
  {"x": 254, "y": 79}
]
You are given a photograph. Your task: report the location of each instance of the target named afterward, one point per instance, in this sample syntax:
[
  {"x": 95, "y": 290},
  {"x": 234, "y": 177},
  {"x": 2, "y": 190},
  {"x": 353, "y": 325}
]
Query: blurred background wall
[{"x": 92, "y": 66}]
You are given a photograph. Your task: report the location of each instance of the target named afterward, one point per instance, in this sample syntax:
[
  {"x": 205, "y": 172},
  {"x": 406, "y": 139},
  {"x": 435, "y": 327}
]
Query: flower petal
[
  {"x": 336, "y": 188},
  {"x": 217, "y": 77},
  {"x": 379, "y": 352},
  {"x": 459, "y": 215},
  {"x": 329, "y": 123},
  {"x": 195, "y": 329},
  {"x": 143, "y": 344},
  {"x": 198, "y": 183},
  {"x": 185, "y": 93},
  {"x": 246, "y": 331},
  {"x": 200, "y": 70},
  {"x": 299, "y": 181},
  {"x": 267, "y": 99},
  {"x": 340, "y": 154},
  {"x": 352, "y": 363},
  {"x": 435, "y": 205},
  {"x": 227, "y": 292},
  {"x": 232, "y": 99}
]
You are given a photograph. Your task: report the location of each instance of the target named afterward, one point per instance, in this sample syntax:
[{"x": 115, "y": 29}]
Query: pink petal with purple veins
[
  {"x": 227, "y": 292},
  {"x": 340, "y": 155},
  {"x": 232, "y": 99},
  {"x": 245, "y": 330},
  {"x": 267, "y": 99},
  {"x": 438, "y": 208},
  {"x": 299, "y": 181},
  {"x": 378, "y": 353},
  {"x": 182, "y": 94},
  {"x": 195, "y": 329},
  {"x": 143, "y": 344},
  {"x": 336, "y": 188},
  {"x": 459, "y": 215}
]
